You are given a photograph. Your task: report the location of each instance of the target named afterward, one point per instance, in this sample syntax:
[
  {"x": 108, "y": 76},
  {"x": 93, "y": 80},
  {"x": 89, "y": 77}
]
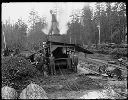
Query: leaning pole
[{"x": 4, "y": 40}]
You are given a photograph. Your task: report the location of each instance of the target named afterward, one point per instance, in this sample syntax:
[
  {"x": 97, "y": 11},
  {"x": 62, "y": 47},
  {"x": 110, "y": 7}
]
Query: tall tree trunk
[{"x": 4, "y": 39}]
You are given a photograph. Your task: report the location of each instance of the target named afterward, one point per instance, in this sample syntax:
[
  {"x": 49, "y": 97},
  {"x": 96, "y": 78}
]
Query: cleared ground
[
  {"x": 77, "y": 85},
  {"x": 83, "y": 84}
]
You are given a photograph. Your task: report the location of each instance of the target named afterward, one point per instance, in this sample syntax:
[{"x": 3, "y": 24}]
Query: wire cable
[
  {"x": 65, "y": 78},
  {"x": 67, "y": 82}
]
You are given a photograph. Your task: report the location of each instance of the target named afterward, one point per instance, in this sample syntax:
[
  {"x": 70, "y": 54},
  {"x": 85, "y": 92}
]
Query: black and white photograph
[{"x": 64, "y": 50}]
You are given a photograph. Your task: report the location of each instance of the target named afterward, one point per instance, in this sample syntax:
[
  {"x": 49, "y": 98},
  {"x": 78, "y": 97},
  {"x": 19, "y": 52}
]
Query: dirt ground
[
  {"x": 78, "y": 85},
  {"x": 68, "y": 86},
  {"x": 74, "y": 86}
]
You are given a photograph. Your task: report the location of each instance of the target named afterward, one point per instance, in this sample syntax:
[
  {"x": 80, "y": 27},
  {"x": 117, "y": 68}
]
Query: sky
[{"x": 16, "y": 10}]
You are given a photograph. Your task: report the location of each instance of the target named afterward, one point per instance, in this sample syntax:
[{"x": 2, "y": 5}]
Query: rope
[
  {"x": 65, "y": 78},
  {"x": 67, "y": 82},
  {"x": 76, "y": 86}
]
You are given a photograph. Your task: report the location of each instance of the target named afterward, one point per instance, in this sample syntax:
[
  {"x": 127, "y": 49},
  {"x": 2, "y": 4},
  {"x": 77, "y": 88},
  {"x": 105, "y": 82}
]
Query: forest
[{"x": 109, "y": 20}]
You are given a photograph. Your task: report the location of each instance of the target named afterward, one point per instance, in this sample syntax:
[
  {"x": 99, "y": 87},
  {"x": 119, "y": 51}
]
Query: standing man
[
  {"x": 75, "y": 61},
  {"x": 40, "y": 63},
  {"x": 52, "y": 65},
  {"x": 6, "y": 52},
  {"x": 70, "y": 61}
]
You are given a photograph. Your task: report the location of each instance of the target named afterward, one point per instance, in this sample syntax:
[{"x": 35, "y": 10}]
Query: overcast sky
[{"x": 21, "y": 10}]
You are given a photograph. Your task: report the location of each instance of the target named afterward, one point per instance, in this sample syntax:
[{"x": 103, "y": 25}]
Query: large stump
[
  {"x": 9, "y": 93},
  {"x": 33, "y": 91}
]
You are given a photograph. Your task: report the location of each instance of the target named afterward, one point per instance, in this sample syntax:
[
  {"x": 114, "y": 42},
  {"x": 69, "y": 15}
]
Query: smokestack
[
  {"x": 54, "y": 32},
  {"x": 54, "y": 26}
]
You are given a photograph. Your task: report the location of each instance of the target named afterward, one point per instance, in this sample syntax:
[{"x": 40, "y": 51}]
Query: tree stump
[
  {"x": 33, "y": 91},
  {"x": 9, "y": 93}
]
